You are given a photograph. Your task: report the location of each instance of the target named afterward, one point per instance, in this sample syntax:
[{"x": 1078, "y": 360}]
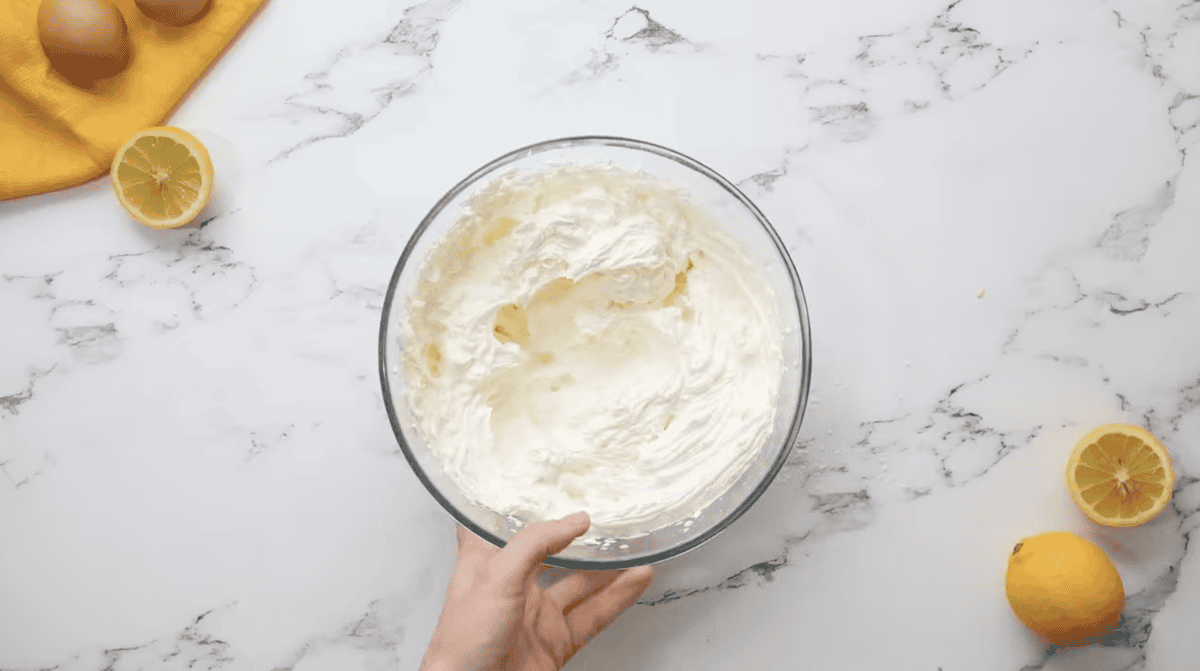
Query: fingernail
[
  {"x": 638, "y": 575},
  {"x": 641, "y": 573},
  {"x": 576, "y": 518}
]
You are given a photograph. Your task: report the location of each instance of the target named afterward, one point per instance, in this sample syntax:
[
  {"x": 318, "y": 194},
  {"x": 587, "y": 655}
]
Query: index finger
[{"x": 536, "y": 542}]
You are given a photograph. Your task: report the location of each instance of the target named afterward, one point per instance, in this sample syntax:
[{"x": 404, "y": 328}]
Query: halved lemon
[
  {"x": 1120, "y": 475},
  {"x": 163, "y": 176}
]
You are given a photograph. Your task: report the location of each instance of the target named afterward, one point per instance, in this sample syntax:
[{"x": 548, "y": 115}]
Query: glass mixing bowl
[{"x": 729, "y": 209}]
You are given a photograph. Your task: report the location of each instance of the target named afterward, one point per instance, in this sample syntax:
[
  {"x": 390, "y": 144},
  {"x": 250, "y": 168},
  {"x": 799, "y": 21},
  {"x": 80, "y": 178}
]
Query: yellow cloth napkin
[{"x": 54, "y": 134}]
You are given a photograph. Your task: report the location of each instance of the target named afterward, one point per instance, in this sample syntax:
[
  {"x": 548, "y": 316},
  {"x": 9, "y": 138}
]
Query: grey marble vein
[
  {"x": 962, "y": 59},
  {"x": 1184, "y": 115},
  {"x": 363, "y": 80},
  {"x": 1099, "y": 301},
  {"x": 192, "y": 648},
  {"x": 966, "y": 445},
  {"x": 758, "y": 573},
  {"x": 852, "y": 121},
  {"x": 637, "y": 26},
  {"x": 1166, "y": 421},
  {"x": 11, "y": 404},
  {"x": 18, "y": 466},
  {"x": 1128, "y": 237},
  {"x": 765, "y": 181},
  {"x": 41, "y": 287},
  {"x": 264, "y": 441},
  {"x": 210, "y": 274},
  {"x": 949, "y": 44},
  {"x": 633, "y": 31},
  {"x": 20, "y": 475},
  {"x": 1121, "y": 306},
  {"x": 88, "y": 329},
  {"x": 380, "y": 630},
  {"x": 185, "y": 267},
  {"x": 851, "y": 99}
]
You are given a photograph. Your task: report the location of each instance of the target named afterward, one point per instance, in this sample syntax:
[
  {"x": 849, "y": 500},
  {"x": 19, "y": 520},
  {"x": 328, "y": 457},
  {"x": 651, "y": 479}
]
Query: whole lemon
[{"x": 1064, "y": 588}]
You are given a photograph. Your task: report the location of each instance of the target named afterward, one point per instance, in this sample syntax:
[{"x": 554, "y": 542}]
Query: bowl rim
[{"x": 664, "y": 152}]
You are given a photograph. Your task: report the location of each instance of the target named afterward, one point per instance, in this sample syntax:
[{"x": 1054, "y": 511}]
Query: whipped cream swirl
[{"x": 585, "y": 338}]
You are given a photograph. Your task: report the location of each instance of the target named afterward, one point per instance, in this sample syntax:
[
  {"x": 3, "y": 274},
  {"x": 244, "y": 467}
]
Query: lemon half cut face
[
  {"x": 1120, "y": 475},
  {"x": 163, "y": 176}
]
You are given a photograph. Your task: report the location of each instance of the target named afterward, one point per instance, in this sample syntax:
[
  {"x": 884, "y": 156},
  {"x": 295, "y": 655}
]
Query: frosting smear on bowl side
[{"x": 584, "y": 338}]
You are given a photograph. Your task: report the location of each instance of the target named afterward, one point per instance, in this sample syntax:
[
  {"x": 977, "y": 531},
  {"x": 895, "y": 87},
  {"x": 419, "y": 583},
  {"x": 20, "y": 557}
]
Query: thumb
[{"x": 536, "y": 542}]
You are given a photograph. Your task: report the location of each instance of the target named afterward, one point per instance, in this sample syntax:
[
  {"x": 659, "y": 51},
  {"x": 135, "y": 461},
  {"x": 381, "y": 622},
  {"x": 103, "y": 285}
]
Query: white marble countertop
[{"x": 990, "y": 205}]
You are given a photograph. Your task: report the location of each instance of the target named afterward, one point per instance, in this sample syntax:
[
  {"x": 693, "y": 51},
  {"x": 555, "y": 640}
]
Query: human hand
[{"x": 497, "y": 616}]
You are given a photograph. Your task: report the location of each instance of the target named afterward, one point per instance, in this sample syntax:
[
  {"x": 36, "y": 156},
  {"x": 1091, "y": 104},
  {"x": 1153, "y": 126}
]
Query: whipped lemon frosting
[{"x": 585, "y": 338}]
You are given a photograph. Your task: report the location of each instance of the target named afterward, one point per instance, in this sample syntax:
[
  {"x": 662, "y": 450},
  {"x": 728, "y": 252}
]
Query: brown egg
[
  {"x": 173, "y": 12},
  {"x": 85, "y": 40}
]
